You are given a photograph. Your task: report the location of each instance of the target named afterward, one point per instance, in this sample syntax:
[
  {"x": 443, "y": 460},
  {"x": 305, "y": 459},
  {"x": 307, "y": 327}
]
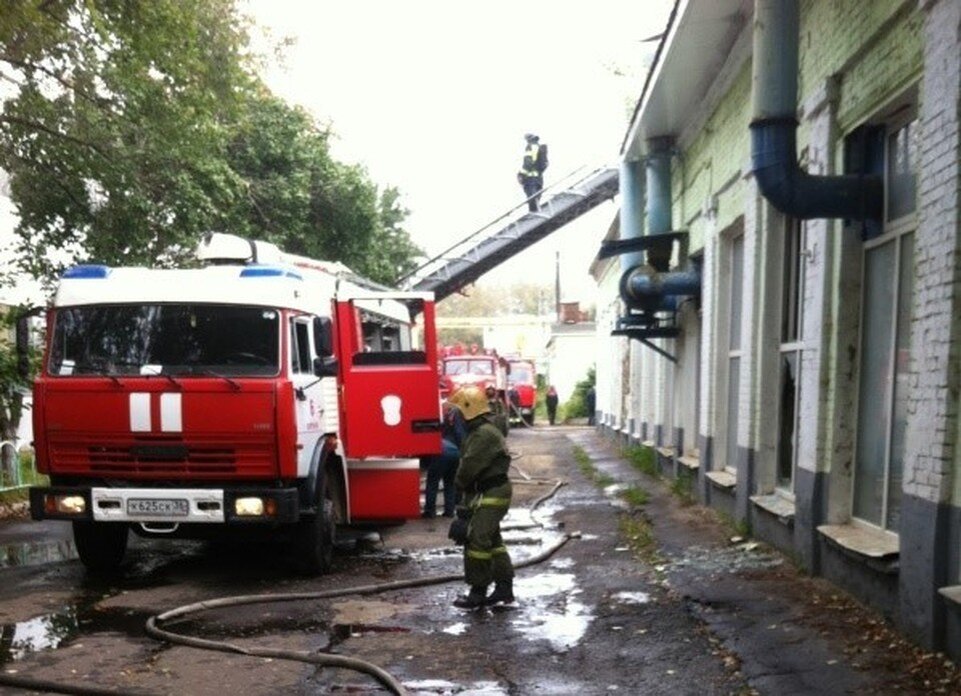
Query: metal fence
[{"x": 10, "y": 477}]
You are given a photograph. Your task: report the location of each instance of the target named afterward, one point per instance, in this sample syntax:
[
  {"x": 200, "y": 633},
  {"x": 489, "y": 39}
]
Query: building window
[
  {"x": 887, "y": 293},
  {"x": 790, "y": 358},
  {"x": 734, "y": 347}
]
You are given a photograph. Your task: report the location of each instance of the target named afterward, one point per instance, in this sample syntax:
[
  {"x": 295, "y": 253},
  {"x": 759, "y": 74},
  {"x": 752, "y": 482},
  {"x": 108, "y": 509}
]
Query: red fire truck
[
  {"x": 262, "y": 392},
  {"x": 477, "y": 369},
  {"x": 522, "y": 388}
]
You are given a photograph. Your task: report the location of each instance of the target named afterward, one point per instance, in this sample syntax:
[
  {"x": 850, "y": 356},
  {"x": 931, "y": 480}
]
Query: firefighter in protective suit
[{"x": 486, "y": 492}]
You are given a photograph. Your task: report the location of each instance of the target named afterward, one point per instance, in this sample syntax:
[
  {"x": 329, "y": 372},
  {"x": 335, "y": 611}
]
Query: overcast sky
[{"x": 434, "y": 96}]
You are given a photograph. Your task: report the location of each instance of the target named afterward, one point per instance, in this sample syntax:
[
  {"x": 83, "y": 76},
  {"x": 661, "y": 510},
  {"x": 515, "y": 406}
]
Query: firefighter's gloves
[{"x": 458, "y": 530}]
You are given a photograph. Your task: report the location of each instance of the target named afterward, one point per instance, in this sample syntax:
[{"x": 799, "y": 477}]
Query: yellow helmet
[{"x": 471, "y": 401}]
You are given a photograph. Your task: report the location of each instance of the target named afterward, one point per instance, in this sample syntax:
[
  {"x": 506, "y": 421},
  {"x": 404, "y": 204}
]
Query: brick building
[{"x": 780, "y": 299}]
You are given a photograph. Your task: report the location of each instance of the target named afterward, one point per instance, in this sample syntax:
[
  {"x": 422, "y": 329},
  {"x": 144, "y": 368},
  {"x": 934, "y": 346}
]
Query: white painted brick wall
[
  {"x": 935, "y": 347},
  {"x": 708, "y": 331},
  {"x": 752, "y": 222}
]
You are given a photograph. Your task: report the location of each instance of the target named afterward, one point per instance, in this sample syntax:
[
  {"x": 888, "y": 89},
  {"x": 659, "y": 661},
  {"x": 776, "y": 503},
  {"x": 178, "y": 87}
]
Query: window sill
[
  {"x": 722, "y": 479},
  {"x": 879, "y": 549},
  {"x": 666, "y": 451},
  {"x": 952, "y": 593},
  {"x": 692, "y": 463},
  {"x": 648, "y": 443},
  {"x": 777, "y": 505}
]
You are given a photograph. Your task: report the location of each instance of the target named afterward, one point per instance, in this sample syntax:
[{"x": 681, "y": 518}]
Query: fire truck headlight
[
  {"x": 66, "y": 504},
  {"x": 249, "y": 507}
]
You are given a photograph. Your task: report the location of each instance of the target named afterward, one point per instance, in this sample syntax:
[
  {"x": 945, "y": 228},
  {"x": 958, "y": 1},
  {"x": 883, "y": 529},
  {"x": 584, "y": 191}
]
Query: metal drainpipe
[
  {"x": 659, "y": 199},
  {"x": 631, "y": 188},
  {"x": 648, "y": 287},
  {"x": 774, "y": 129}
]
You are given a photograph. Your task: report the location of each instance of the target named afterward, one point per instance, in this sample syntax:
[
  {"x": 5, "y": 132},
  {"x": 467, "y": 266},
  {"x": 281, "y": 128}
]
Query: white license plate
[{"x": 165, "y": 507}]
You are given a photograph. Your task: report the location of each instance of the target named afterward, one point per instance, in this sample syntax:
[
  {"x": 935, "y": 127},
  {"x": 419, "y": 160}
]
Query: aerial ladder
[{"x": 513, "y": 232}]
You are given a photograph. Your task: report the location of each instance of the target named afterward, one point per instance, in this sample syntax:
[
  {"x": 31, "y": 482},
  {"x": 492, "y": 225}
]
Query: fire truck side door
[
  {"x": 308, "y": 401},
  {"x": 389, "y": 399}
]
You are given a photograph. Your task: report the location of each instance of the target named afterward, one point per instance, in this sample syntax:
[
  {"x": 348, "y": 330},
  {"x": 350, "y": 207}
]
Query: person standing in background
[
  {"x": 443, "y": 466},
  {"x": 551, "y": 402}
]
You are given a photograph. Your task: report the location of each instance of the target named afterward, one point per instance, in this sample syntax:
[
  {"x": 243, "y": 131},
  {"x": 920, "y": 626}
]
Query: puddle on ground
[
  {"x": 615, "y": 489},
  {"x": 632, "y": 597},
  {"x": 456, "y": 629},
  {"x": 40, "y": 633},
  {"x": 549, "y": 609},
  {"x": 729, "y": 559},
  {"x": 51, "y": 631},
  {"x": 443, "y": 687},
  {"x": 37, "y": 553},
  {"x": 339, "y": 633}
]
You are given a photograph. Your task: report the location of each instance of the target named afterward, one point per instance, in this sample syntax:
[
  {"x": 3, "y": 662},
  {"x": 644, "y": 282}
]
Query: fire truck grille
[{"x": 160, "y": 456}]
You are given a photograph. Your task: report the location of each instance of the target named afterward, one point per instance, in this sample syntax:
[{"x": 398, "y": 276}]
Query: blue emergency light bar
[
  {"x": 267, "y": 271},
  {"x": 87, "y": 271}
]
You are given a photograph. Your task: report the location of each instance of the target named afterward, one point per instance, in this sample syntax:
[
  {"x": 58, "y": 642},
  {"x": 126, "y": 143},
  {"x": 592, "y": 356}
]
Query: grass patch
[
  {"x": 584, "y": 462},
  {"x": 603, "y": 480},
  {"x": 683, "y": 487},
  {"x": 640, "y": 538},
  {"x": 642, "y": 458},
  {"x": 636, "y": 496},
  {"x": 586, "y": 465},
  {"x": 735, "y": 528}
]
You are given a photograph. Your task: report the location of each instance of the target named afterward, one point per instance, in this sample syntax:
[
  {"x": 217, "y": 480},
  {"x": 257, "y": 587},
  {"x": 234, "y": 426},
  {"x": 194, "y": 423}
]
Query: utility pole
[{"x": 557, "y": 286}]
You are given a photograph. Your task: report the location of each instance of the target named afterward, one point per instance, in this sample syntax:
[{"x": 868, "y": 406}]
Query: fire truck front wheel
[
  {"x": 315, "y": 540},
  {"x": 100, "y": 545}
]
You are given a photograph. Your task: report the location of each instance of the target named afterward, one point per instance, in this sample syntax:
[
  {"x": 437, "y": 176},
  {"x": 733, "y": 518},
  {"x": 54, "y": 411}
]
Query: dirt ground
[{"x": 651, "y": 597}]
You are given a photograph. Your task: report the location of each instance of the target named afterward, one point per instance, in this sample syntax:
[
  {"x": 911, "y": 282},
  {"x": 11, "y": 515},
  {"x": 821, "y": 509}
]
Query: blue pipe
[
  {"x": 643, "y": 288},
  {"x": 659, "y": 199},
  {"x": 648, "y": 287},
  {"x": 799, "y": 194},
  {"x": 659, "y": 186},
  {"x": 774, "y": 129},
  {"x": 631, "y": 188}
]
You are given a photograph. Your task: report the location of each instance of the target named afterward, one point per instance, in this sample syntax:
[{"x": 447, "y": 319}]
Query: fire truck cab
[
  {"x": 261, "y": 393},
  {"x": 475, "y": 369},
  {"x": 522, "y": 389}
]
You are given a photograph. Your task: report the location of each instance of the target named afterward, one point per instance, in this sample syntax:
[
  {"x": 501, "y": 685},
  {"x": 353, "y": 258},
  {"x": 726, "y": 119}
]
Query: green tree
[
  {"x": 490, "y": 301},
  {"x": 576, "y": 405},
  {"x": 114, "y": 137},
  {"x": 396, "y": 254},
  {"x": 136, "y": 126}
]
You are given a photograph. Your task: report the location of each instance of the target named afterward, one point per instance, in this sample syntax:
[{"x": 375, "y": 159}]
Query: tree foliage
[
  {"x": 499, "y": 300},
  {"x": 130, "y": 128},
  {"x": 114, "y": 138},
  {"x": 138, "y": 126},
  {"x": 298, "y": 197},
  {"x": 576, "y": 405}
]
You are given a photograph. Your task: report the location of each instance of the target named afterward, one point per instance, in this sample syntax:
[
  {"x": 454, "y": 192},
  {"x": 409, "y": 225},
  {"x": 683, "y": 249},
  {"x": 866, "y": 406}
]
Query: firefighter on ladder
[
  {"x": 531, "y": 175},
  {"x": 486, "y": 491}
]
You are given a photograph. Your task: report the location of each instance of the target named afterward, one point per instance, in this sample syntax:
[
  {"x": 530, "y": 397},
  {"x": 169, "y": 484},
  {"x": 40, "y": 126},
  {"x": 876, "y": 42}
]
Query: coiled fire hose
[{"x": 324, "y": 660}]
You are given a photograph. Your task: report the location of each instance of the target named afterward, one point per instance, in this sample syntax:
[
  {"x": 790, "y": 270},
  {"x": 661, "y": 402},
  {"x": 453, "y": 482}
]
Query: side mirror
[
  {"x": 323, "y": 337},
  {"x": 326, "y": 367}
]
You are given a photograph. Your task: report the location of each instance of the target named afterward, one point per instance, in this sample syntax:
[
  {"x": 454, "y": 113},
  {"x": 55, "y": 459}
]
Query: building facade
[{"x": 779, "y": 301}]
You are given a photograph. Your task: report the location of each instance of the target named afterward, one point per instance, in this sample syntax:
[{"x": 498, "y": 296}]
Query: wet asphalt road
[{"x": 649, "y": 600}]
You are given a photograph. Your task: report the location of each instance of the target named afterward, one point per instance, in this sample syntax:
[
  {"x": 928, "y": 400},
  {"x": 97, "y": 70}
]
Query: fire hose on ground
[{"x": 154, "y": 630}]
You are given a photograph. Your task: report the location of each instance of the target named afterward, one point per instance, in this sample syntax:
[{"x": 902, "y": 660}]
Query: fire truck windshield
[
  {"x": 521, "y": 373},
  {"x": 165, "y": 339},
  {"x": 467, "y": 366}
]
